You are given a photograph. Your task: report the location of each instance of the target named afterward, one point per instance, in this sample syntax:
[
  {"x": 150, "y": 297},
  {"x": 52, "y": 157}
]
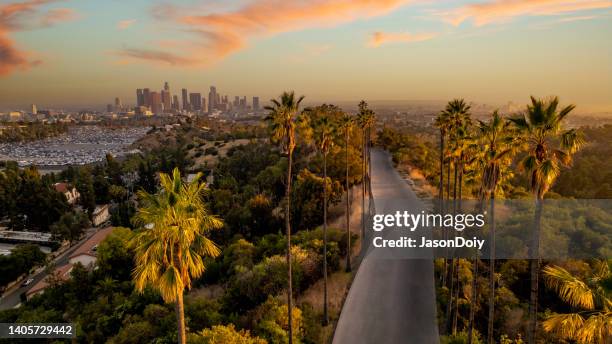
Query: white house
[
  {"x": 86, "y": 253},
  {"x": 71, "y": 193},
  {"x": 100, "y": 215}
]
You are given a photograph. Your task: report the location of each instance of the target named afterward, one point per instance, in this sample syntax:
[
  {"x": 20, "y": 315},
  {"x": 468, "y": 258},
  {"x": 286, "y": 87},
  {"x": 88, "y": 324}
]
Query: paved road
[
  {"x": 391, "y": 300},
  {"x": 12, "y": 297}
]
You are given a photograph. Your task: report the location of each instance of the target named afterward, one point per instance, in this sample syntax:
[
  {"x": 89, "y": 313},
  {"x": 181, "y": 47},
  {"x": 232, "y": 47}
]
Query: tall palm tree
[
  {"x": 282, "y": 121},
  {"x": 365, "y": 120},
  {"x": 346, "y": 124},
  {"x": 592, "y": 323},
  {"x": 458, "y": 121},
  {"x": 324, "y": 130},
  {"x": 548, "y": 148},
  {"x": 496, "y": 141},
  {"x": 170, "y": 247}
]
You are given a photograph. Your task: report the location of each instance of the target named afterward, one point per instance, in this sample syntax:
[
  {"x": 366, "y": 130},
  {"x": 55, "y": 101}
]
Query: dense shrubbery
[{"x": 20, "y": 261}]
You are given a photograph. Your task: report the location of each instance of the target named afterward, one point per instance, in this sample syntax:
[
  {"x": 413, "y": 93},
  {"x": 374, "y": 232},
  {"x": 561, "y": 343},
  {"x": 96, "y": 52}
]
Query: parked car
[{"x": 27, "y": 282}]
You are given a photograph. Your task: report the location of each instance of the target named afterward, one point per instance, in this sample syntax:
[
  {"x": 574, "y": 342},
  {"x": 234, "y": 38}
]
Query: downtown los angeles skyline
[{"x": 85, "y": 53}]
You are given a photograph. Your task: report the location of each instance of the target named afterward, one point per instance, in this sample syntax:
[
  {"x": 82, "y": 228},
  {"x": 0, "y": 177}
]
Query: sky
[{"x": 84, "y": 53}]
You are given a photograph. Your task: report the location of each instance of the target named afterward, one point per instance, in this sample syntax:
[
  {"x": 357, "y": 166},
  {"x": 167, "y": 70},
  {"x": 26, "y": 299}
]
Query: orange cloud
[
  {"x": 124, "y": 24},
  {"x": 504, "y": 10},
  {"x": 221, "y": 34},
  {"x": 20, "y": 16},
  {"x": 380, "y": 38}
]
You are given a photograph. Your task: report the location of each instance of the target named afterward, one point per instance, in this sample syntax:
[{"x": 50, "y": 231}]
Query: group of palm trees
[
  {"x": 322, "y": 126},
  {"x": 485, "y": 152}
]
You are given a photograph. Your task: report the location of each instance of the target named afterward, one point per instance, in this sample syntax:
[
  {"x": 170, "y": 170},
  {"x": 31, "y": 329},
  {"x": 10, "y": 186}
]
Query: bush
[
  {"x": 224, "y": 335},
  {"x": 270, "y": 321},
  {"x": 211, "y": 151}
]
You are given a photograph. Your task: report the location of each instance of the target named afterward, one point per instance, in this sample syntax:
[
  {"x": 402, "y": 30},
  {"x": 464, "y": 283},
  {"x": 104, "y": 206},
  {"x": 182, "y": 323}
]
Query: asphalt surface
[{"x": 392, "y": 299}]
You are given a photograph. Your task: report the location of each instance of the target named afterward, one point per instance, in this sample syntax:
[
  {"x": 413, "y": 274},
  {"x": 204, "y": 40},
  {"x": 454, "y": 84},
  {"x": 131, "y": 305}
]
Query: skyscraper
[
  {"x": 146, "y": 95},
  {"x": 34, "y": 109},
  {"x": 117, "y": 104},
  {"x": 243, "y": 103},
  {"x": 166, "y": 87},
  {"x": 185, "y": 99},
  {"x": 255, "y": 103},
  {"x": 166, "y": 99},
  {"x": 196, "y": 101},
  {"x": 212, "y": 99},
  {"x": 140, "y": 101},
  {"x": 156, "y": 103},
  {"x": 175, "y": 103}
]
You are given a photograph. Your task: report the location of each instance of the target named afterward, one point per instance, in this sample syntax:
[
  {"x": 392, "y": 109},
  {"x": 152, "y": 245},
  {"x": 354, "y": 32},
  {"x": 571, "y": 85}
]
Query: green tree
[
  {"x": 548, "y": 147},
  {"x": 221, "y": 334},
  {"x": 170, "y": 248},
  {"x": 282, "y": 121},
  {"x": 71, "y": 226}
]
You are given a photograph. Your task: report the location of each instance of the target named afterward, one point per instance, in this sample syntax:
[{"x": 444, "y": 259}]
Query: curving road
[{"x": 392, "y": 300}]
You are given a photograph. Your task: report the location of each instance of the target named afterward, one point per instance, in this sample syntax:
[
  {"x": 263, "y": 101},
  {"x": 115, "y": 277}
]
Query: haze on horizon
[{"x": 85, "y": 53}]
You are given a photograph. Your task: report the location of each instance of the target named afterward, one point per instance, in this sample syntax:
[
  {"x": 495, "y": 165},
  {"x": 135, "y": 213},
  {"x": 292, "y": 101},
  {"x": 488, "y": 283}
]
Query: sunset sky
[{"x": 86, "y": 52}]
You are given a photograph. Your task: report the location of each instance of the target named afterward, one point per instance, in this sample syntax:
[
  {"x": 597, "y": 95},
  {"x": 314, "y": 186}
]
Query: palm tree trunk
[
  {"x": 325, "y": 315},
  {"x": 363, "y": 192},
  {"x": 491, "y": 272},
  {"x": 534, "y": 267},
  {"x": 458, "y": 186},
  {"x": 441, "y": 198},
  {"x": 473, "y": 298},
  {"x": 348, "y": 208},
  {"x": 180, "y": 318},
  {"x": 288, "y": 230}
]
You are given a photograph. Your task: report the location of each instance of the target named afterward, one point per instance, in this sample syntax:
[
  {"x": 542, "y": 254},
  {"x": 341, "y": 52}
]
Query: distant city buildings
[{"x": 195, "y": 99}]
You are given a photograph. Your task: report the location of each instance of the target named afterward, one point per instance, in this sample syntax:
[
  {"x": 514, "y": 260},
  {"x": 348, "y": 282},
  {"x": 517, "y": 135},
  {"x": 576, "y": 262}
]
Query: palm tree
[
  {"x": 282, "y": 121},
  {"x": 365, "y": 120},
  {"x": 346, "y": 124},
  {"x": 458, "y": 121},
  {"x": 324, "y": 131},
  {"x": 170, "y": 247},
  {"x": 548, "y": 147},
  {"x": 593, "y": 322},
  {"x": 496, "y": 141}
]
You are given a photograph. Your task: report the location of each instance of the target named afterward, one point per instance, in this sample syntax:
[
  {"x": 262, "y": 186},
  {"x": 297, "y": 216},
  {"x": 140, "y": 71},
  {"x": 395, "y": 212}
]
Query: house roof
[
  {"x": 87, "y": 248},
  {"x": 63, "y": 272},
  {"x": 61, "y": 187}
]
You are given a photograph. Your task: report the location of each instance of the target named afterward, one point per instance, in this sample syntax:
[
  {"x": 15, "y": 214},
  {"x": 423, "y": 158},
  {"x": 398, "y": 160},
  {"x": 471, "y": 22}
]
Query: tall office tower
[
  {"x": 204, "y": 104},
  {"x": 212, "y": 99},
  {"x": 218, "y": 101},
  {"x": 139, "y": 97},
  {"x": 185, "y": 99},
  {"x": 146, "y": 95},
  {"x": 175, "y": 103},
  {"x": 34, "y": 109},
  {"x": 166, "y": 99},
  {"x": 196, "y": 101},
  {"x": 243, "y": 103},
  {"x": 166, "y": 87},
  {"x": 156, "y": 103},
  {"x": 236, "y": 102},
  {"x": 255, "y": 103},
  {"x": 117, "y": 104},
  {"x": 109, "y": 107}
]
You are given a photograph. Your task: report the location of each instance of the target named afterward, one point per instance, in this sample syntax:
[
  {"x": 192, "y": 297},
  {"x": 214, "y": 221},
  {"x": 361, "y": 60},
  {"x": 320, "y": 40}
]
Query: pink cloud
[
  {"x": 221, "y": 34},
  {"x": 124, "y": 24},
  {"x": 380, "y": 38},
  {"x": 18, "y": 16},
  {"x": 503, "y": 10}
]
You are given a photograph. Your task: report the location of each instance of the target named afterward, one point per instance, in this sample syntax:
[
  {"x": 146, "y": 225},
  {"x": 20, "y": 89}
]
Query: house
[
  {"x": 100, "y": 215},
  {"x": 62, "y": 273},
  {"x": 86, "y": 253},
  {"x": 71, "y": 193}
]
